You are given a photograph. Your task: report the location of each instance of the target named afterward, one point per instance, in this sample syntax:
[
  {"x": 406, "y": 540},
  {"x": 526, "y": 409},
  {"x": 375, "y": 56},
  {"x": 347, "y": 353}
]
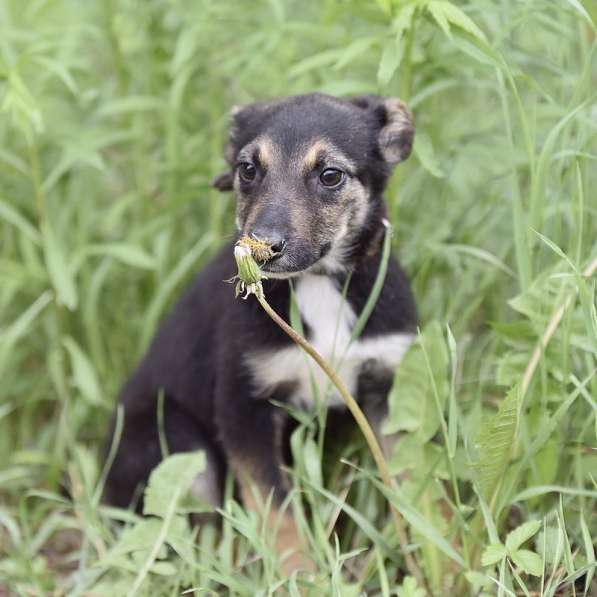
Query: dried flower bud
[
  {"x": 249, "y": 275},
  {"x": 260, "y": 250}
]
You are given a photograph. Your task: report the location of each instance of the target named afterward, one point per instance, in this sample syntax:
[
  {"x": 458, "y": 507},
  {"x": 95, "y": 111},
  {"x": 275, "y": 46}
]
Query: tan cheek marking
[
  {"x": 359, "y": 201},
  {"x": 347, "y": 215}
]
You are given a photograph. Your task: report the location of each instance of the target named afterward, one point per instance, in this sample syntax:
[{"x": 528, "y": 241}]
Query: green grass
[{"x": 112, "y": 123}]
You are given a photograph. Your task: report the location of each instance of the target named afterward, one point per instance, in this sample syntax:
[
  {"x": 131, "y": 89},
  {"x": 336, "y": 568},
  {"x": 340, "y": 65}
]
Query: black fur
[{"x": 197, "y": 358}]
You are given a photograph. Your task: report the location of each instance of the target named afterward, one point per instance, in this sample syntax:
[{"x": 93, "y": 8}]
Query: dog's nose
[{"x": 275, "y": 240}]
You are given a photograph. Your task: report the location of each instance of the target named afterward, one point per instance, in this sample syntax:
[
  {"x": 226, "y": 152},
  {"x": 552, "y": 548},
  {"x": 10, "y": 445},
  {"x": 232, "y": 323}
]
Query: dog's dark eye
[
  {"x": 247, "y": 171},
  {"x": 331, "y": 177}
]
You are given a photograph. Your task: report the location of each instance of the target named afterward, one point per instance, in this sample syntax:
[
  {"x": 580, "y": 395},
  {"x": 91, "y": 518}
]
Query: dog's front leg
[{"x": 251, "y": 431}]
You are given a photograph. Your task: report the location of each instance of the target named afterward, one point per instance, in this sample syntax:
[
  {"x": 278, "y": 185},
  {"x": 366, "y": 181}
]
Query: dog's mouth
[{"x": 294, "y": 262}]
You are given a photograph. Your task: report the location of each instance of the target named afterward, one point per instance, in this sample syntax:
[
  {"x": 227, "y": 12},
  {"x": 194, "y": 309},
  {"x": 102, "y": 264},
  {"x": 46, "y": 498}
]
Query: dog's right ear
[
  {"x": 223, "y": 182},
  {"x": 244, "y": 124}
]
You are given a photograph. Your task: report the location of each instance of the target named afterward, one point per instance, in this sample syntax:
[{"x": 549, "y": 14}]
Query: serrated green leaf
[
  {"x": 496, "y": 438},
  {"x": 168, "y": 482},
  {"x": 528, "y": 561},
  {"x": 412, "y": 404},
  {"x": 493, "y": 554},
  {"x": 521, "y": 534},
  {"x": 174, "y": 473},
  {"x": 139, "y": 537}
]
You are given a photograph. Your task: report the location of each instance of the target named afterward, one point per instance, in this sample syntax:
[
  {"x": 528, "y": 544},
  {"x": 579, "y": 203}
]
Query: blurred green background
[{"x": 113, "y": 117}]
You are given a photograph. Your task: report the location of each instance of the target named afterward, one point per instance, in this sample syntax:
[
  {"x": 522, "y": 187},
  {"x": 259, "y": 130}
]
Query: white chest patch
[{"x": 330, "y": 320}]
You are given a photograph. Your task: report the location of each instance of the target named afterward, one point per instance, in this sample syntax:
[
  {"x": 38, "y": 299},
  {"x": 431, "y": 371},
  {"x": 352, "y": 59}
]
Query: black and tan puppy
[{"x": 308, "y": 173}]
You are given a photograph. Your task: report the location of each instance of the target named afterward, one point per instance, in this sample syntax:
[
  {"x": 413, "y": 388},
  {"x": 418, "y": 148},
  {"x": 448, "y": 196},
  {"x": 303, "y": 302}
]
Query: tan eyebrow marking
[
  {"x": 263, "y": 149},
  {"x": 323, "y": 147},
  {"x": 312, "y": 154},
  {"x": 266, "y": 150}
]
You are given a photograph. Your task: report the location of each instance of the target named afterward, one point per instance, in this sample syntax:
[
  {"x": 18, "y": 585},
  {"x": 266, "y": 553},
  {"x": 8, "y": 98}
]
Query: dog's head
[{"x": 308, "y": 173}]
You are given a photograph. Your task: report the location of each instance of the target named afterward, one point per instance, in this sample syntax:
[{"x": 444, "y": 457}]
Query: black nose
[{"x": 272, "y": 238}]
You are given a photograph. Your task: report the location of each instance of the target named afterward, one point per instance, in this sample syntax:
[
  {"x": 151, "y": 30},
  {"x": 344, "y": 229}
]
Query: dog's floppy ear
[{"x": 395, "y": 137}]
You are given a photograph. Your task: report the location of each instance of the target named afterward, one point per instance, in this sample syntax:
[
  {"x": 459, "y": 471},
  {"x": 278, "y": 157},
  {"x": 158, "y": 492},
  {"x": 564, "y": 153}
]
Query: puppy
[{"x": 308, "y": 173}]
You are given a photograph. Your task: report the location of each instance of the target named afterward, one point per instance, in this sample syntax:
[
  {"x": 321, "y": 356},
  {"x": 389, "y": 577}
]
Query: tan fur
[
  {"x": 312, "y": 155},
  {"x": 267, "y": 151},
  {"x": 323, "y": 148}
]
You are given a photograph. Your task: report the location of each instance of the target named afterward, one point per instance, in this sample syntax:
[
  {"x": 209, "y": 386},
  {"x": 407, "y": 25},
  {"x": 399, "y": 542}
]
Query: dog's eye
[
  {"x": 247, "y": 171},
  {"x": 331, "y": 177}
]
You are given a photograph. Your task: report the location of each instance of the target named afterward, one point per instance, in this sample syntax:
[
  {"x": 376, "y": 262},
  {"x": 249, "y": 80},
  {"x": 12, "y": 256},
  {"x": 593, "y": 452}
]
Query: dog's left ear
[{"x": 395, "y": 137}]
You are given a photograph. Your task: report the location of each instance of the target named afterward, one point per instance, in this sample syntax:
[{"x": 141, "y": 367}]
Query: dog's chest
[{"x": 330, "y": 320}]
